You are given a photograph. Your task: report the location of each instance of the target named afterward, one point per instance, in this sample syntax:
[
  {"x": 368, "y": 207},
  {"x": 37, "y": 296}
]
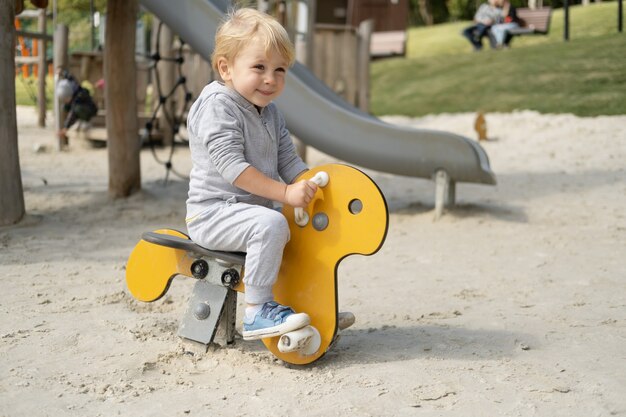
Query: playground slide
[{"x": 320, "y": 118}]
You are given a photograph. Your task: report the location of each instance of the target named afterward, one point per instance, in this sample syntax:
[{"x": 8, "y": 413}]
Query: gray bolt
[
  {"x": 202, "y": 311},
  {"x": 355, "y": 206},
  {"x": 320, "y": 221}
]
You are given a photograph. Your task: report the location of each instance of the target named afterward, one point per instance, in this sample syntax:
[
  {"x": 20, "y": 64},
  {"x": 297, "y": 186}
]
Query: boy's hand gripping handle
[{"x": 301, "y": 217}]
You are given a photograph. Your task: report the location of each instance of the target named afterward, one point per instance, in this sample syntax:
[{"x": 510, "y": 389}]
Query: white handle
[{"x": 301, "y": 217}]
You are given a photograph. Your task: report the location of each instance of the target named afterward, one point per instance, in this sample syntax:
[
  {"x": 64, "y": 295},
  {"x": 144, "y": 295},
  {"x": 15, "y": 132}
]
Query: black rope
[{"x": 174, "y": 120}]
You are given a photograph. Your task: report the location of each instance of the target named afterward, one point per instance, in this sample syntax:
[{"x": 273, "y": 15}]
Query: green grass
[
  {"x": 26, "y": 91},
  {"x": 585, "y": 76}
]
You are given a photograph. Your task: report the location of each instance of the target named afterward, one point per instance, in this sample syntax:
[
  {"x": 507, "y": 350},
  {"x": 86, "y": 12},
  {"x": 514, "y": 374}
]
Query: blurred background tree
[{"x": 77, "y": 15}]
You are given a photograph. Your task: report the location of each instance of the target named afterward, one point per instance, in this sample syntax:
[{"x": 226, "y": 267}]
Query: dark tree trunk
[
  {"x": 11, "y": 192},
  {"x": 121, "y": 100}
]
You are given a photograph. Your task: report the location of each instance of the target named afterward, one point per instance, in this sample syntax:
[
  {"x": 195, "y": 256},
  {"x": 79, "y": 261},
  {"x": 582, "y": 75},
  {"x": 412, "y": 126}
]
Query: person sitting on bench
[
  {"x": 499, "y": 31},
  {"x": 487, "y": 15}
]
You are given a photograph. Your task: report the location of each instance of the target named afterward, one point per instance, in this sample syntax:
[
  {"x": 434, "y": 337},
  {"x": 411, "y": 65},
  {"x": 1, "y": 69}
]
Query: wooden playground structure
[
  {"x": 338, "y": 53},
  {"x": 33, "y": 60},
  {"x": 123, "y": 117}
]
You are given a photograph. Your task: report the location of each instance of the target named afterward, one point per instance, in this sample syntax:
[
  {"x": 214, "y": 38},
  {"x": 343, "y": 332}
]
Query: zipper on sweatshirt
[{"x": 269, "y": 141}]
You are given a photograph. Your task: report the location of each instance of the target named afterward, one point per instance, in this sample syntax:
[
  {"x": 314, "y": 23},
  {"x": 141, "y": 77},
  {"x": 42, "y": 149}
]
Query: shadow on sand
[{"x": 392, "y": 344}]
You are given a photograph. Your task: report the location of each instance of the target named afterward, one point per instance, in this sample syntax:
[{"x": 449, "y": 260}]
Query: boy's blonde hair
[{"x": 243, "y": 25}]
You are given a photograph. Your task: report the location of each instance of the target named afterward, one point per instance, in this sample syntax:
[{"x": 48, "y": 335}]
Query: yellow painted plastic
[
  {"x": 151, "y": 268},
  {"x": 308, "y": 276},
  {"x": 307, "y": 279}
]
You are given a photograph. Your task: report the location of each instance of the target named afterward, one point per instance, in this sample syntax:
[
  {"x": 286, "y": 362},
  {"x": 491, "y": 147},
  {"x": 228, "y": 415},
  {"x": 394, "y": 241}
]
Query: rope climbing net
[{"x": 175, "y": 119}]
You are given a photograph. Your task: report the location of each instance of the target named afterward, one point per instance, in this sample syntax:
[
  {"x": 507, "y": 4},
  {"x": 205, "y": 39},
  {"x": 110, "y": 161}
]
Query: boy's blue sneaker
[{"x": 273, "y": 320}]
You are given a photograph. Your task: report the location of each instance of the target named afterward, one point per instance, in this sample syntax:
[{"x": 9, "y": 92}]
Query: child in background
[
  {"x": 243, "y": 160},
  {"x": 76, "y": 100}
]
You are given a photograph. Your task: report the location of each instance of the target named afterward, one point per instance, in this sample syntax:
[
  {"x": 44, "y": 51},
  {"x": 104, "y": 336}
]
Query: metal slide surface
[{"x": 322, "y": 119}]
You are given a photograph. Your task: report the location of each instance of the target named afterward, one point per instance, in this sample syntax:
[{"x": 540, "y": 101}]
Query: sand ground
[{"x": 512, "y": 304}]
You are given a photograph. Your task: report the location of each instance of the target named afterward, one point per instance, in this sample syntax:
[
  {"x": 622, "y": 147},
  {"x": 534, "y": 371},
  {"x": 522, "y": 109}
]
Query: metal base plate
[{"x": 203, "y": 312}]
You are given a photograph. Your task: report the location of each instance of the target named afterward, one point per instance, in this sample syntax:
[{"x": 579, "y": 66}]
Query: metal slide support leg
[
  {"x": 451, "y": 199},
  {"x": 442, "y": 191}
]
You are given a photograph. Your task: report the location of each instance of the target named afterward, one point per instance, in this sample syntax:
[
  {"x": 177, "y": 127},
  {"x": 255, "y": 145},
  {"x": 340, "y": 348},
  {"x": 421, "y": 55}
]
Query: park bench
[
  {"x": 532, "y": 22},
  {"x": 386, "y": 44}
]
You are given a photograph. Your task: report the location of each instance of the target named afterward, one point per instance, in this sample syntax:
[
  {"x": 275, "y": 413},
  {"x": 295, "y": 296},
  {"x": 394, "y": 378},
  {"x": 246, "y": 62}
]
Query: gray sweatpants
[{"x": 259, "y": 231}]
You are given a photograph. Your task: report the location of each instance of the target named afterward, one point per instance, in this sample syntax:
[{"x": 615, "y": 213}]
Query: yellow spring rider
[{"x": 348, "y": 215}]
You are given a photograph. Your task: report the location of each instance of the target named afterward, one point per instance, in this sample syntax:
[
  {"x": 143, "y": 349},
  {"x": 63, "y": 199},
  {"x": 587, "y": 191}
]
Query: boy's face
[{"x": 257, "y": 76}]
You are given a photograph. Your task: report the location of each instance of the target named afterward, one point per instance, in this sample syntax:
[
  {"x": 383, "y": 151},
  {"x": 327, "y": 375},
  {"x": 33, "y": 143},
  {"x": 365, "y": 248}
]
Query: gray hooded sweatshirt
[{"x": 227, "y": 134}]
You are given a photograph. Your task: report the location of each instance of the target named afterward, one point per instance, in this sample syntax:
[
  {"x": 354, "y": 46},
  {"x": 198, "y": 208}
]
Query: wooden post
[
  {"x": 335, "y": 63},
  {"x": 60, "y": 60},
  {"x": 43, "y": 69},
  {"x": 61, "y": 56},
  {"x": 310, "y": 31},
  {"x": 120, "y": 76},
  {"x": 303, "y": 55},
  {"x": 11, "y": 192},
  {"x": 364, "y": 33}
]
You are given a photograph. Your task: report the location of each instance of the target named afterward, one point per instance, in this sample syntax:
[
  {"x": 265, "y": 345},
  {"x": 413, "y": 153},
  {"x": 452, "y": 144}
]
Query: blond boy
[{"x": 244, "y": 161}]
